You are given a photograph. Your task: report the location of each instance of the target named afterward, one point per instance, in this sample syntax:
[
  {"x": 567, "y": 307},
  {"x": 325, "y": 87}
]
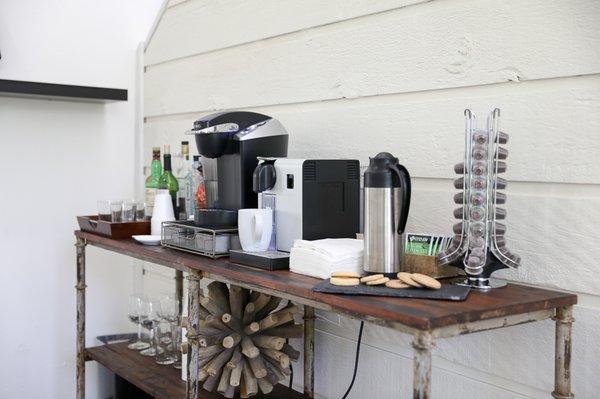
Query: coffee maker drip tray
[
  {"x": 214, "y": 217},
  {"x": 214, "y": 242}
]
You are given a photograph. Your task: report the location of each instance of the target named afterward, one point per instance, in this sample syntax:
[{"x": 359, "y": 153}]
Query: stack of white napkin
[{"x": 320, "y": 258}]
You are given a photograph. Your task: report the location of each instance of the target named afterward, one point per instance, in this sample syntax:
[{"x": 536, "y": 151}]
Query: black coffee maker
[{"x": 235, "y": 140}]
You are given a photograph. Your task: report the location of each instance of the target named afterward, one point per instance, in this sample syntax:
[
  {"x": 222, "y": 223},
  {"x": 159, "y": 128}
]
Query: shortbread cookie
[
  {"x": 426, "y": 281},
  {"x": 345, "y": 274},
  {"x": 407, "y": 279},
  {"x": 396, "y": 284},
  {"x": 344, "y": 281},
  {"x": 380, "y": 281},
  {"x": 372, "y": 277}
]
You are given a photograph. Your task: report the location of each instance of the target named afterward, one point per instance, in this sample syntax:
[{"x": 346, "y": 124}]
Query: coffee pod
[
  {"x": 504, "y": 251},
  {"x": 477, "y": 199},
  {"x": 500, "y": 242},
  {"x": 480, "y": 137},
  {"x": 502, "y": 138},
  {"x": 459, "y": 213},
  {"x": 478, "y": 252},
  {"x": 499, "y": 228},
  {"x": 478, "y": 183},
  {"x": 479, "y": 168},
  {"x": 516, "y": 259},
  {"x": 459, "y": 198},
  {"x": 500, "y": 213},
  {"x": 455, "y": 243},
  {"x": 477, "y": 229},
  {"x": 458, "y": 183},
  {"x": 477, "y": 213},
  {"x": 474, "y": 261},
  {"x": 500, "y": 183},
  {"x": 457, "y": 228},
  {"x": 500, "y": 198},
  {"x": 459, "y": 168},
  {"x": 502, "y": 153},
  {"x": 500, "y": 167},
  {"x": 479, "y": 153},
  {"x": 476, "y": 243}
]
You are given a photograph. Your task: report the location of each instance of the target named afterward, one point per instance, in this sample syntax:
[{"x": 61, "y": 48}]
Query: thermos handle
[{"x": 404, "y": 177}]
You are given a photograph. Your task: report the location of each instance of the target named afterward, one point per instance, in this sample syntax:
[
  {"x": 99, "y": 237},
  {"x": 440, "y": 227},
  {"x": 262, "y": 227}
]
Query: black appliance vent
[
  {"x": 353, "y": 171},
  {"x": 309, "y": 170}
]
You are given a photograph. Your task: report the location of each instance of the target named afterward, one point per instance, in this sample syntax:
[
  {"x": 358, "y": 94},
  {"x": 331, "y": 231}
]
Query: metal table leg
[
  {"x": 80, "y": 287},
  {"x": 193, "y": 360},
  {"x": 562, "y": 366},
  {"x": 423, "y": 345},
  {"x": 309, "y": 351}
]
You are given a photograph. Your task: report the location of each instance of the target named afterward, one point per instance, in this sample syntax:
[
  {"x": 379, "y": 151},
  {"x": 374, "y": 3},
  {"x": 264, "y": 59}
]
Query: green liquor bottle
[
  {"x": 167, "y": 180},
  {"x": 152, "y": 181}
]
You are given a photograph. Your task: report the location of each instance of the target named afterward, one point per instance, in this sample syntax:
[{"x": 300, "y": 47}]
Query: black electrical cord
[
  {"x": 287, "y": 341},
  {"x": 360, "y": 331}
]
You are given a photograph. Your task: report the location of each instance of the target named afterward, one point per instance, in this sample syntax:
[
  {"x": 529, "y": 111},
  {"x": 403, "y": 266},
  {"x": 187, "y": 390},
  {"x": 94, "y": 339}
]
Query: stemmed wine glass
[
  {"x": 152, "y": 306},
  {"x": 137, "y": 313}
]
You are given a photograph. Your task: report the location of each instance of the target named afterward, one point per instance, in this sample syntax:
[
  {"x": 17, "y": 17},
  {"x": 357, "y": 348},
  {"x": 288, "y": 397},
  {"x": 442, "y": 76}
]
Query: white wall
[
  {"x": 57, "y": 159},
  {"x": 350, "y": 79}
]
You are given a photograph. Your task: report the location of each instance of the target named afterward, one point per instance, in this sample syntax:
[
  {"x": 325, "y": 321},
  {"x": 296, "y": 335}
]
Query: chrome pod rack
[{"x": 478, "y": 245}]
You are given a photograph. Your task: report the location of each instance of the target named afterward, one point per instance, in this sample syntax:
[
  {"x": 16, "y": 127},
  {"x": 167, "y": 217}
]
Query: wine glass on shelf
[
  {"x": 136, "y": 315},
  {"x": 152, "y": 307}
]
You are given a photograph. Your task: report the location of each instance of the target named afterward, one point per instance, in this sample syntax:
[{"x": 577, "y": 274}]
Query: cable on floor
[{"x": 360, "y": 332}]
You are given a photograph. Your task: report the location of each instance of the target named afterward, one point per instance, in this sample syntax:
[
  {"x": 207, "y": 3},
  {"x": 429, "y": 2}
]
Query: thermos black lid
[{"x": 378, "y": 174}]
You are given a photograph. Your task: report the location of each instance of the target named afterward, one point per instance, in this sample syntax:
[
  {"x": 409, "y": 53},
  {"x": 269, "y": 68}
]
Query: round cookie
[
  {"x": 396, "y": 284},
  {"x": 345, "y": 274},
  {"x": 343, "y": 281},
  {"x": 379, "y": 281},
  {"x": 406, "y": 278},
  {"x": 371, "y": 277},
  {"x": 426, "y": 281}
]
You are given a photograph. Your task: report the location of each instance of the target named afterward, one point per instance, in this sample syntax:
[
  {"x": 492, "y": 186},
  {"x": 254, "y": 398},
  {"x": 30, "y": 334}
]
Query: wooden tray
[
  {"x": 448, "y": 292},
  {"x": 113, "y": 230}
]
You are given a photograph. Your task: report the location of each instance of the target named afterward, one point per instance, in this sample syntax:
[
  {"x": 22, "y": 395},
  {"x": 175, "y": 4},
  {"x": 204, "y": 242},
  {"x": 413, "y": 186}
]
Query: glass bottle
[
  {"x": 181, "y": 173},
  {"x": 167, "y": 180},
  {"x": 152, "y": 182}
]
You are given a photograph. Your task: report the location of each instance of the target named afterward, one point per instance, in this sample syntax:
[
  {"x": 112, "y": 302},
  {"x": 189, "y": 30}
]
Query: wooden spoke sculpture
[{"x": 243, "y": 340}]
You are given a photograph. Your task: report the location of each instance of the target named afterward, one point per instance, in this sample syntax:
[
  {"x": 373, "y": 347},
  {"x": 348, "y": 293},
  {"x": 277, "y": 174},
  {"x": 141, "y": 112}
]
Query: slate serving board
[{"x": 447, "y": 292}]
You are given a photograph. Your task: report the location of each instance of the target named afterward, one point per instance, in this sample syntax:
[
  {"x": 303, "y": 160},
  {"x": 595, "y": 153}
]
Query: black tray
[{"x": 447, "y": 292}]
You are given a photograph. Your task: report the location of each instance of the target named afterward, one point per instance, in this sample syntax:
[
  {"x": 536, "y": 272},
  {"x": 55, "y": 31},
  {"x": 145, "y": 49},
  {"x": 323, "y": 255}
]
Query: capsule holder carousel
[{"x": 479, "y": 246}]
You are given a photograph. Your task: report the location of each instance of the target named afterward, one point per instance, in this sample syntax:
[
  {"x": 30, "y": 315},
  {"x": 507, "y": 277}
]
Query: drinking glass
[
  {"x": 163, "y": 342},
  {"x": 128, "y": 211},
  {"x": 169, "y": 308},
  {"x": 149, "y": 323},
  {"x": 176, "y": 337},
  {"x": 104, "y": 210},
  {"x": 140, "y": 210},
  {"x": 137, "y": 313},
  {"x": 116, "y": 211}
]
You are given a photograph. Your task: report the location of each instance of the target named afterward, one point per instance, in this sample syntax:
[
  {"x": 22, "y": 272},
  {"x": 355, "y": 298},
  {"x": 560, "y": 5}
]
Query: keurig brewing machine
[{"x": 235, "y": 140}]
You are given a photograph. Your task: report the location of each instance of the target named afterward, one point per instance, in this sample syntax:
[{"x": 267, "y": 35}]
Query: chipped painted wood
[
  {"x": 562, "y": 366},
  {"x": 80, "y": 287},
  {"x": 309, "y": 351},
  {"x": 193, "y": 358},
  {"x": 423, "y": 345}
]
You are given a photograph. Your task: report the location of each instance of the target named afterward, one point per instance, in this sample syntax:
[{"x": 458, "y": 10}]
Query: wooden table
[{"x": 425, "y": 319}]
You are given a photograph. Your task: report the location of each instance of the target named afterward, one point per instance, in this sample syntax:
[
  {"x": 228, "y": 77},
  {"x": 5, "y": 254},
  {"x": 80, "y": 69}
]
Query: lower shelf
[{"x": 162, "y": 382}]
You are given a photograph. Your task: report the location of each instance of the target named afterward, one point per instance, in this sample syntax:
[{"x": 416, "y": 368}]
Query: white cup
[
  {"x": 162, "y": 212},
  {"x": 255, "y": 227}
]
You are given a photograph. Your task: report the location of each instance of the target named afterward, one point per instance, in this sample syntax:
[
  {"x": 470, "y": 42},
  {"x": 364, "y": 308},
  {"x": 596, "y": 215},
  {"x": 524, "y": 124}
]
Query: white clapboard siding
[
  {"x": 199, "y": 26},
  {"x": 553, "y": 125},
  {"x": 436, "y": 45}
]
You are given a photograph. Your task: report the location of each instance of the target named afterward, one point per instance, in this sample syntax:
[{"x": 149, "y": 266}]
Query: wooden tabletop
[{"x": 420, "y": 314}]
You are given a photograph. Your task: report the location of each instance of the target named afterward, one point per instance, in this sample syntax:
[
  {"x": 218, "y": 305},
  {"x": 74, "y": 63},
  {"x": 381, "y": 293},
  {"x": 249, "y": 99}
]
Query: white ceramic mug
[
  {"x": 162, "y": 212},
  {"x": 255, "y": 227}
]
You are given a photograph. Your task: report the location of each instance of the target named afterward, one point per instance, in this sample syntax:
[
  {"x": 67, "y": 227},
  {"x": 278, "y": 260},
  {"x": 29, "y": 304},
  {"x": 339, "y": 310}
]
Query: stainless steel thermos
[{"x": 386, "y": 204}]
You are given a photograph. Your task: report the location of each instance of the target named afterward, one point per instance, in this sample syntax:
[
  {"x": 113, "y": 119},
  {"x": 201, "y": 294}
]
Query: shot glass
[
  {"x": 104, "y": 210},
  {"x": 176, "y": 337},
  {"x": 128, "y": 211},
  {"x": 116, "y": 211},
  {"x": 140, "y": 210}
]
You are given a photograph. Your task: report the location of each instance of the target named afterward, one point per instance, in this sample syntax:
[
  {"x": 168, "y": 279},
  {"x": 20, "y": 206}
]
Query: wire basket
[{"x": 206, "y": 241}]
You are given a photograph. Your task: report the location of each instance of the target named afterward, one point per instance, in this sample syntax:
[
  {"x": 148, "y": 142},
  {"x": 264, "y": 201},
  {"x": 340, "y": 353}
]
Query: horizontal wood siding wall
[{"x": 350, "y": 79}]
